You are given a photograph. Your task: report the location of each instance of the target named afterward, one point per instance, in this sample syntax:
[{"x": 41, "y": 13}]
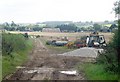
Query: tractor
[{"x": 95, "y": 40}]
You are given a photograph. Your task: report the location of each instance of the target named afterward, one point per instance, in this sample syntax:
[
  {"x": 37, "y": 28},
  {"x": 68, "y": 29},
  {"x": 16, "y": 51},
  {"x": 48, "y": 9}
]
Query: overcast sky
[{"x": 31, "y": 11}]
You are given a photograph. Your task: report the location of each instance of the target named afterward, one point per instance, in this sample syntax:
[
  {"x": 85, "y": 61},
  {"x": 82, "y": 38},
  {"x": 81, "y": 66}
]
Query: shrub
[
  {"x": 26, "y": 35},
  {"x": 12, "y": 42},
  {"x": 110, "y": 57}
]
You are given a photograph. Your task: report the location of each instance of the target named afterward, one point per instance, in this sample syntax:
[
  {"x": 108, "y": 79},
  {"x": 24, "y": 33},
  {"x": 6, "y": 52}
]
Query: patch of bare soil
[{"x": 44, "y": 66}]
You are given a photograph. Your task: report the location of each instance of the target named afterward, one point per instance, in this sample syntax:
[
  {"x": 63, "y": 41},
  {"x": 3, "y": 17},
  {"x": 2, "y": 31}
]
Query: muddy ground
[{"x": 45, "y": 64}]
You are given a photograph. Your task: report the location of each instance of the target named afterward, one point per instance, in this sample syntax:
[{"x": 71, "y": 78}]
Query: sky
[{"x": 32, "y": 11}]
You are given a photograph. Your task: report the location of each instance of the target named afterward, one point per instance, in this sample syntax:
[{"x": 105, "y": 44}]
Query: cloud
[{"x": 46, "y": 10}]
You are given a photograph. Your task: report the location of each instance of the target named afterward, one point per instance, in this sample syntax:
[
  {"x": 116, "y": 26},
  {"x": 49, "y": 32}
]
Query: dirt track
[{"x": 45, "y": 64}]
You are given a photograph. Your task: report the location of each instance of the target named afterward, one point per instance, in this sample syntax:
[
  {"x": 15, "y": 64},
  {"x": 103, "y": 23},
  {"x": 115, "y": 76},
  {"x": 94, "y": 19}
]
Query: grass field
[{"x": 71, "y": 36}]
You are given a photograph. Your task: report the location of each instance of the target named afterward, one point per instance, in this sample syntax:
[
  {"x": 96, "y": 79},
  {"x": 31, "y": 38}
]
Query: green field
[{"x": 17, "y": 57}]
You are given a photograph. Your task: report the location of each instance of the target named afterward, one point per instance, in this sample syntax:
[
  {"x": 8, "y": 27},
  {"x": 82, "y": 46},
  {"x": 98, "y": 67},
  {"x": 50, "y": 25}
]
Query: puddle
[
  {"x": 73, "y": 72},
  {"x": 20, "y": 67},
  {"x": 30, "y": 71},
  {"x": 39, "y": 70}
]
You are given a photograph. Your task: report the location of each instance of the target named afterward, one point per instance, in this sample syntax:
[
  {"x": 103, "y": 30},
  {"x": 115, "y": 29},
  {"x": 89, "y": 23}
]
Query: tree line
[
  {"x": 15, "y": 27},
  {"x": 63, "y": 27}
]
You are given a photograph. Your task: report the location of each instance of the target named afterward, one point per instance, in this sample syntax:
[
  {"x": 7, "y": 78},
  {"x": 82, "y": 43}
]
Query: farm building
[{"x": 50, "y": 30}]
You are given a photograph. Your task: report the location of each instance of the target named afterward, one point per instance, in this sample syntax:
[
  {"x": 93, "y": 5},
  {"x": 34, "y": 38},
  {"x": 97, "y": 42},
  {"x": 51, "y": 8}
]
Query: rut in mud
[{"x": 44, "y": 64}]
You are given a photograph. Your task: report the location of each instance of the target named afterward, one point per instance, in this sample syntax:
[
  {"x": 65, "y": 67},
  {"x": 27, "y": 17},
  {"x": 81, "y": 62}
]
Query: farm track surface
[{"x": 45, "y": 64}]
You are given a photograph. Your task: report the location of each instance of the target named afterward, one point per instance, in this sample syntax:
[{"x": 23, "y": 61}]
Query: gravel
[{"x": 84, "y": 52}]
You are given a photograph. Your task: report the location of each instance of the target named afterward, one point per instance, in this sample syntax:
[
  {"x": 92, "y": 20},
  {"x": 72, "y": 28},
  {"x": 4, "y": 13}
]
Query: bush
[
  {"x": 12, "y": 42},
  {"x": 37, "y": 36},
  {"x": 15, "y": 48},
  {"x": 26, "y": 35},
  {"x": 48, "y": 42},
  {"x": 110, "y": 57},
  {"x": 109, "y": 60}
]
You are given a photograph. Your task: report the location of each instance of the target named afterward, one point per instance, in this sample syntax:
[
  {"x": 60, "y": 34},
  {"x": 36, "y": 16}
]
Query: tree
[
  {"x": 117, "y": 7},
  {"x": 113, "y": 26},
  {"x": 106, "y": 21},
  {"x": 10, "y": 27},
  {"x": 117, "y": 11},
  {"x": 21, "y": 28},
  {"x": 69, "y": 27},
  {"x": 83, "y": 29},
  {"x": 37, "y": 28},
  {"x": 96, "y": 27},
  {"x": 6, "y": 24},
  {"x": 112, "y": 54},
  {"x": 13, "y": 24}
]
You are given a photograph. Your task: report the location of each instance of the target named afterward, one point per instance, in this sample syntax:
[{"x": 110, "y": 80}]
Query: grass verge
[
  {"x": 60, "y": 49},
  {"x": 96, "y": 72},
  {"x": 9, "y": 63}
]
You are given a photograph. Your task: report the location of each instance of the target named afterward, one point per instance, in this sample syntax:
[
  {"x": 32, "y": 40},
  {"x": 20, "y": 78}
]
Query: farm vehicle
[
  {"x": 93, "y": 40},
  {"x": 69, "y": 44},
  {"x": 56, "y": 43},
  {"x": 62, "y": 42},
  {"x": 76, "y": 44}
]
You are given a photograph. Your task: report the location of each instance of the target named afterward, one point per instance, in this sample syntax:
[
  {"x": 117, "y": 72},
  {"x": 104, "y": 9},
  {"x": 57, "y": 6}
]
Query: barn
[{"x": 51, "y": 30}]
